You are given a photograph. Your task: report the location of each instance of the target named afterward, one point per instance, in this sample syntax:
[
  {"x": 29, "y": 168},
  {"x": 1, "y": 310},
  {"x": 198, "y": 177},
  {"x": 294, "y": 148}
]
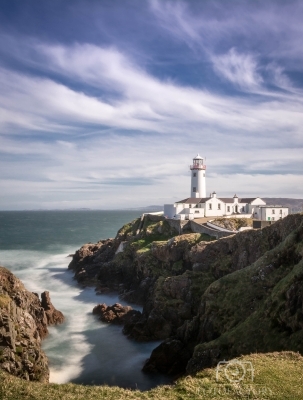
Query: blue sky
[{"x": 103, "y": 104}]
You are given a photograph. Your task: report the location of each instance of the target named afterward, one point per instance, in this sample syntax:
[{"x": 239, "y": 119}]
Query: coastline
[{"x": 175, "y": 277}]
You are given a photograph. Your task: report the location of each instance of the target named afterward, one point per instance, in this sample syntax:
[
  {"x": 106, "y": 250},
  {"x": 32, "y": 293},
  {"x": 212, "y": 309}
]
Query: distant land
[
  {"x": 295, "y": 205},
  {"x": 152, "y": 208}
]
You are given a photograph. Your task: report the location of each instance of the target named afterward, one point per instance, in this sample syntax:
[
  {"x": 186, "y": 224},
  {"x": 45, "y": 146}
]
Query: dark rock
[
  {"x": 54, "y": 317},
  {"x": 170, "y": 357},
  {"x": 23, "y": 324},
  {"x": 203, "y": 359},
  {"x": 116, "y": 313}
]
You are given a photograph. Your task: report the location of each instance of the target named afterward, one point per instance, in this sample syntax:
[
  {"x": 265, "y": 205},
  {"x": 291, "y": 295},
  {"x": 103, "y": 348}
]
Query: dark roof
[
  {"x": 226, "y": 200},
  {"x": 190, "y": 200},
  {"x": 248, "y": 200},
  {"x": 275, "y": 206},
  {"x": 196, "y": 200},
  {"x": 245, "y": 200},
  {"x": 204, "y": 199}
]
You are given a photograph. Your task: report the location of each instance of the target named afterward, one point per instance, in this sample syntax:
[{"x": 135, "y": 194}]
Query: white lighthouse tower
[{"x": 198, "y": 168}]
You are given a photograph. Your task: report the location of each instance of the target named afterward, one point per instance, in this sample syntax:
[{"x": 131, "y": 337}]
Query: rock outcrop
[
  {"x": 116, "y": 313},
  {"x": 23, "y": 324},
  {"x": 53, "y": 316},
  {"x": 207, "y": 300}
]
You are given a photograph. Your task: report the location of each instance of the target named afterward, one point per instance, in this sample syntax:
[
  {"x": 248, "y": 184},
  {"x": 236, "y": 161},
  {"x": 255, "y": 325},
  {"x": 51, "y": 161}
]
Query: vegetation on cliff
[
  {"x": 233, "y": 224},
  {"x": 207, "y": 300}
]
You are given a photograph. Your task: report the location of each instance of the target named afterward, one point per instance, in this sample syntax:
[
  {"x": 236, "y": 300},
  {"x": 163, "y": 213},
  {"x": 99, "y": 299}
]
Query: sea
[{"x": 35, "y": 246}]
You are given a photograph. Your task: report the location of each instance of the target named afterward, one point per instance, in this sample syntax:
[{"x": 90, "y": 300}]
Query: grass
[
  {"x": 267, "y": 376},
  {"x": 249, "y": 307},
  {"x": 4, "y": 300},
  {"x": 129, "y": 229},
  {"x": 233, "y": 223}
]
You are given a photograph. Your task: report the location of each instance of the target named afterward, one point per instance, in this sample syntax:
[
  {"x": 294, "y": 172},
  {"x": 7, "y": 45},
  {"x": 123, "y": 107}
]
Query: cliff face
[
  {"x": 23, "y": 324},
  {"x": 208, "y": 300}
]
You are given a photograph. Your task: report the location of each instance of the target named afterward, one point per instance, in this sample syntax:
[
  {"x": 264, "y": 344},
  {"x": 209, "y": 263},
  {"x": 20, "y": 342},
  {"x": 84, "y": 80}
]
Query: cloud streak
[{"x": 84, "y": 121}]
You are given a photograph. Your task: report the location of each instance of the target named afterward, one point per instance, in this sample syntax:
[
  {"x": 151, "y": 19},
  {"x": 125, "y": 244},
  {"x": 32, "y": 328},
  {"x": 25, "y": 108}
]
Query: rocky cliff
[
  {"x": 23, "y": 324},
  {"x": 207, "y": 300}
]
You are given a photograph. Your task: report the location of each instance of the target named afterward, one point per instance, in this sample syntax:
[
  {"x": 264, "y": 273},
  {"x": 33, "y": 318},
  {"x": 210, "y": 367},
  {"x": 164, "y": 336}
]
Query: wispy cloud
[
  {"x": 137, "y": 100},
  {"x": 85, "y": 121},
  {"x": 240, "y": 69}
]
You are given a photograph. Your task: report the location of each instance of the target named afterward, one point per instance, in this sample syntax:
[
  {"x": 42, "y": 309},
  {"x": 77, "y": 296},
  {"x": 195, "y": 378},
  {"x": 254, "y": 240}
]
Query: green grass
[
  {"x": 129, "y": 229},
  {"x": 275, "y": 376},
  {"x": 249, "y": 307}
]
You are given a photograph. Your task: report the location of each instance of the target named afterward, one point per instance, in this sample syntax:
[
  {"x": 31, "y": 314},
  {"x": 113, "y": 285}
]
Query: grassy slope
[
  {"x": 248, "y": 307},
  {"x": 276, "y": 376}
]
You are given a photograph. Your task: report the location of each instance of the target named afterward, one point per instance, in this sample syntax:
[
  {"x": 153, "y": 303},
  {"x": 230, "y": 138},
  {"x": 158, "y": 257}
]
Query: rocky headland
[
  {"x": 207, "y": 300},
  {"x": 23, "y": 324}
]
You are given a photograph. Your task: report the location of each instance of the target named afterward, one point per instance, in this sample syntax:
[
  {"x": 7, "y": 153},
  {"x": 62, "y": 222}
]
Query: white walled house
[
  {"x": 198, "y": 205},
  {"x": 272, "y": 213},
  {"x": 214, "y": 206}
]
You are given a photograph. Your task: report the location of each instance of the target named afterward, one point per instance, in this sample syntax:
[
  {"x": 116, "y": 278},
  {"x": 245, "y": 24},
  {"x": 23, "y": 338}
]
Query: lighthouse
[{"x": 198, "y": 168}]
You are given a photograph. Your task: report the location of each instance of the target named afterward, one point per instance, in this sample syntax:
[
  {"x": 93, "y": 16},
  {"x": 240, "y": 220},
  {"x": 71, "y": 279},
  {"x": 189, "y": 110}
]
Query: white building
[
  {"x": 198, "y": 168},
  {"x": 272, "y": 213},
  {"x": 198, "y": 205}
]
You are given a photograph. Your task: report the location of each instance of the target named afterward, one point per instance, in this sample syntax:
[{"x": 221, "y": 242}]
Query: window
[
  {"x": 194, "y": 189},
  {"x": 194, "y": 174},
  {"x": 228, "y": 208},
  {"x": 280, "y": 211},
  {"x": 209, "y": 206},
  {"x": 272, "y": 218},
  {"x": 197, "y": 211},
  {"x": 219, "y": 206},
  {"x": 273, "y": 211}
]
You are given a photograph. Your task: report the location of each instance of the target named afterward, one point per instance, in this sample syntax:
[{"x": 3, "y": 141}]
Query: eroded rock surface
[
  {"x": 207, "y": 300},
  {"x": 54, "y": 317},
  {"x": 23, "y": 325}
]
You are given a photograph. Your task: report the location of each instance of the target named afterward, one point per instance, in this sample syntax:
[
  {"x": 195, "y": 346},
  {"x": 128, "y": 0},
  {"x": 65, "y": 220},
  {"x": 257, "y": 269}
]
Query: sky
[{"x": 104, "y": 104}]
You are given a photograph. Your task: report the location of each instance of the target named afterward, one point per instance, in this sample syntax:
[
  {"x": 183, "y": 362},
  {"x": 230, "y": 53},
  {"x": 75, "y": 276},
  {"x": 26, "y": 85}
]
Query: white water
[{"x": 82, "y": 349}]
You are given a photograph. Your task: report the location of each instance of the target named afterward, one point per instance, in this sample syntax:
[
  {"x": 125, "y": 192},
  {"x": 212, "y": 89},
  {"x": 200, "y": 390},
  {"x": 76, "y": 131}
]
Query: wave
[{"x": 82, "y": 349}]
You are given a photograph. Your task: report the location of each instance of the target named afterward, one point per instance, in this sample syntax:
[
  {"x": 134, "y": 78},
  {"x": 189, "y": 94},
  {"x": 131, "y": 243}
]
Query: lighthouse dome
[{"x": 198, "y": 157}]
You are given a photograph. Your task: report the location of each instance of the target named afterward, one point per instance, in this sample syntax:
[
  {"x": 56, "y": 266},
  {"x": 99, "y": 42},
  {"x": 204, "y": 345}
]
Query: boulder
[
  {"x": 116, "y": 313},
  {"x": 54, "y": 317}
]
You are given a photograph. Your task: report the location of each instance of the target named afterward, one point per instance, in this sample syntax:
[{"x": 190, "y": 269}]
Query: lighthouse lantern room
[{"x": 198, "y": 168}]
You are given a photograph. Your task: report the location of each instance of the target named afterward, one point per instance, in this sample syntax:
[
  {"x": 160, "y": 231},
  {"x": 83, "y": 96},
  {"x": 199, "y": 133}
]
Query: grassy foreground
[{"x": 266, "y": 376}]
